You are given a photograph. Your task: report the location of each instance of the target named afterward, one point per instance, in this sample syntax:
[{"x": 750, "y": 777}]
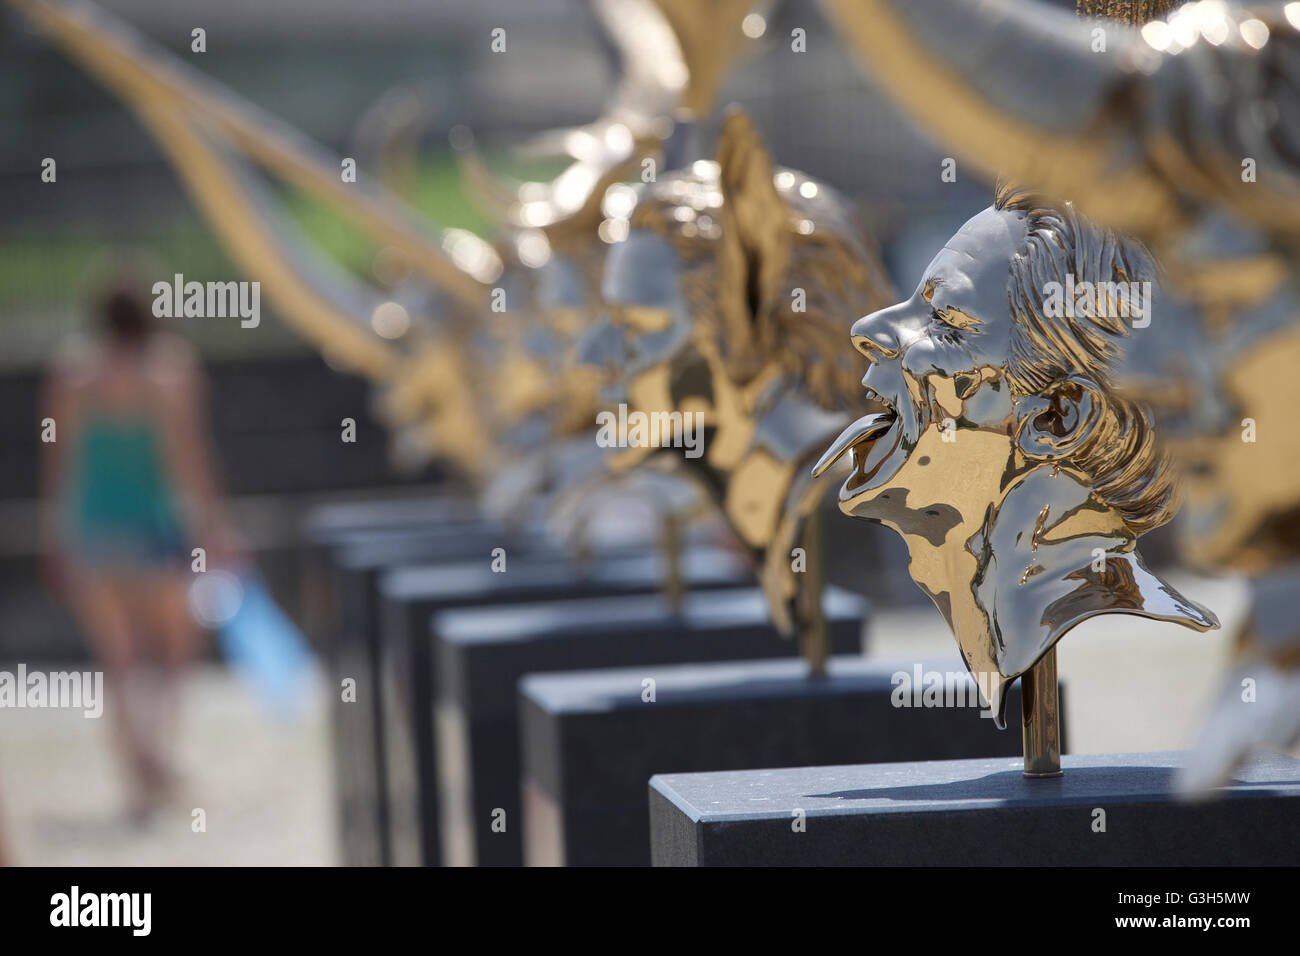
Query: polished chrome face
[{"x": 937, "y": 363}]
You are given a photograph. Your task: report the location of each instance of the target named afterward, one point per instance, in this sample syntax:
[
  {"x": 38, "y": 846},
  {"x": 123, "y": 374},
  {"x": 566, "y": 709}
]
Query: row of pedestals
[{"x": 529, "y": 708}]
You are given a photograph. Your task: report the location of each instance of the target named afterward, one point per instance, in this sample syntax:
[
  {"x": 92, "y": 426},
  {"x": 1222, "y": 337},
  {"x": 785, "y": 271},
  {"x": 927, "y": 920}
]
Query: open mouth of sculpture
[{"x": 871, "y": 440}]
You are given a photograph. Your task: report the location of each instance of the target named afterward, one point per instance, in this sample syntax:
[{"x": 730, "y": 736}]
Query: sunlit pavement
[{"x": 265, "y": 786}]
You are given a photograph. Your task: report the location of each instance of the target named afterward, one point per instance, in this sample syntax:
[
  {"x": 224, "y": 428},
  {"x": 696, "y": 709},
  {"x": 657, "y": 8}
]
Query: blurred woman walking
[{"x": 129, "y": 489}]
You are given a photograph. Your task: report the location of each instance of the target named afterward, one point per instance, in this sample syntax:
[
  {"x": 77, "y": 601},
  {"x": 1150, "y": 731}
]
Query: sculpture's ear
[
  {"x": 755, "y": 235},
  {"x": 1061, "y": 418}
]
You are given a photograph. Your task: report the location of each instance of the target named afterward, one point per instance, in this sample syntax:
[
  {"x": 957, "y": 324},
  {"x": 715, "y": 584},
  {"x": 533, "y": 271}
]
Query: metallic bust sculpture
[
  {"x": 727, "y": 298},
  {"x": 1182, "y": 133},
  {"x": 1000, "y": 450}
]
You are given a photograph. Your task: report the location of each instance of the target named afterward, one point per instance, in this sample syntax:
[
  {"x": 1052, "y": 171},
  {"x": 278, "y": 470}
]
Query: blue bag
[{"x": 266, "y": 649}]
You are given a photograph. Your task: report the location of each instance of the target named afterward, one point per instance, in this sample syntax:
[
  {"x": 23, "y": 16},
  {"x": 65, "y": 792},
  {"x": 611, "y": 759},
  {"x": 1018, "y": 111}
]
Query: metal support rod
[
  {"x": 810, "y": 620},
  {"x": 1040, "y": 714},
  {"x": 670, "y": 543}
]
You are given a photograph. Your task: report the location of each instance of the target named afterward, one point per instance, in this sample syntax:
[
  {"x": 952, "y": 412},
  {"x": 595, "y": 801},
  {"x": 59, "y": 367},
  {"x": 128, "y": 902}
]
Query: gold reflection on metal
[
  {"x": 1240, "y": 483},
  {"x": 1040, "y": 714},
  {"x": 1018, "y": 476},
  {"x": 731, "y": 295}
]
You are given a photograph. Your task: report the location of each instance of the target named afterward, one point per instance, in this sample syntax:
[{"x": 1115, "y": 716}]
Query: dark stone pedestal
[
  {"x": 592, "y": 740},
  {"x": 410, "y": 596},
  {"x": 344, "y": 623},
  {"x": 483, "y": 652},
  {"x": 976, "y": 813}
]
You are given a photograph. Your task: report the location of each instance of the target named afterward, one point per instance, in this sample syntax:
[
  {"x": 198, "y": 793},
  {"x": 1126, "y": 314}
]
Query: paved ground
[
  {"x": 1132, "y": 685},
  {"x": 265, "y": 786}
]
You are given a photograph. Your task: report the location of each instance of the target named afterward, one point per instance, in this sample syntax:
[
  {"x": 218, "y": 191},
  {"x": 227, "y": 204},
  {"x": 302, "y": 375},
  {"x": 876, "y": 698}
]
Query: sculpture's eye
[
  {"x": 955, "y": 319},
  {"x": 940, "y": 323}
]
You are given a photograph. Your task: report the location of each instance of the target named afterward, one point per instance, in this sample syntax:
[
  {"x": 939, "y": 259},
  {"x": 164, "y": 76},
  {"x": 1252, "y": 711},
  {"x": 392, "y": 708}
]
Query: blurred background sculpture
[
  {"x": 726, "y": 301},
  {"x": 1018, "y": 476},
  {"x": 672, "y": 58},
  {"x": 1183, "y": 134},
  {"x": 437, "y": 325}
]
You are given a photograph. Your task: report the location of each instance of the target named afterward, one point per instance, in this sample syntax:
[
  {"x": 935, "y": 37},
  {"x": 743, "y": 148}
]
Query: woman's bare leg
[
  {"x": 164, "y": 601},
  {"x": 102, "y": 607}
]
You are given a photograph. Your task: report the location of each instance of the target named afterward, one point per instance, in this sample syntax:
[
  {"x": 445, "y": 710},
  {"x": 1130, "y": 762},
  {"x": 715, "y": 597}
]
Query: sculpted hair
[{"x": 1127, "y": 469}]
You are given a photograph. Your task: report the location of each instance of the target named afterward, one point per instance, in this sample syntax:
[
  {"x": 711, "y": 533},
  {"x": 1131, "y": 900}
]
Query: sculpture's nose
[{"x": 876, "y": 335}]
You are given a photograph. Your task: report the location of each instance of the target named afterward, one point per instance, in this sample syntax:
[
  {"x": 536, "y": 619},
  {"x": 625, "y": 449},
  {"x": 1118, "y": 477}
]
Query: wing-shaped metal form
[
  {"x": 1133, "y": 125},
  {"x": 214, "y": 140}
]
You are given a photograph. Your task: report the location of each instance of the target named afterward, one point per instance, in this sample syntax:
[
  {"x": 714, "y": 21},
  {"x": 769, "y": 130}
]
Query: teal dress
[{"x": 120, "y": 508}]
